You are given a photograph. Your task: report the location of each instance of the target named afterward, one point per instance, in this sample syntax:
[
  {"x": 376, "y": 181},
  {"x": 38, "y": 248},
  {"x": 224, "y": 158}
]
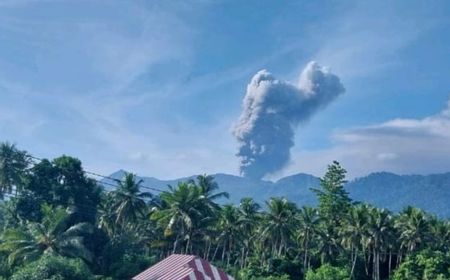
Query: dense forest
[{"x": 58, "y": 222}]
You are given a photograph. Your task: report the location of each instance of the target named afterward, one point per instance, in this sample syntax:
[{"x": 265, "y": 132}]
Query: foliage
[
  {"x": 426, "y": 265},
  {"x": 13, "y": 163},
  {"x": 52, "y": 236},
  {"x": 54, "y": 268},
  {"x": 130, "y": 265},
  {"x": 327, "y": 272},
  {"x": 54, "y": 214},
  {"x": 334, "y": 201}
]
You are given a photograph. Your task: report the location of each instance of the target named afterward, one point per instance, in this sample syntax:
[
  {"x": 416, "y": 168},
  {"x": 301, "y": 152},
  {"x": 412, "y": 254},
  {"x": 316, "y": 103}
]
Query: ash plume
[{"x": 272, "y": 109}]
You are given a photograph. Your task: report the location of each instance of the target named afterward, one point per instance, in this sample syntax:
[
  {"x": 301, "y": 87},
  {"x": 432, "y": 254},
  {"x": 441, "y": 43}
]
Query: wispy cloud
[
  {"x": 367, "y": 37},
  {"x": 404, "y": 146},
  {"x": 80, "y": 79}
]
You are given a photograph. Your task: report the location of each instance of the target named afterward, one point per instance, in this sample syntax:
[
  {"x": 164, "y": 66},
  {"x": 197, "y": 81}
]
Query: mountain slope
[
  {"x": 388, "y": 190},
  {"x": 430, "y": 192}
]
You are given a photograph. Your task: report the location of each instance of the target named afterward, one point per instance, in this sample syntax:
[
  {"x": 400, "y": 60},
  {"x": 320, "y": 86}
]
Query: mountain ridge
[{"x": 382, "y": 189}]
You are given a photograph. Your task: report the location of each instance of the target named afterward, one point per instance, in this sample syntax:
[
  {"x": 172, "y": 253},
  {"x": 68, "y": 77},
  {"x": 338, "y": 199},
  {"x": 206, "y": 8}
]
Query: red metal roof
[{"x": 183, "y": 267}]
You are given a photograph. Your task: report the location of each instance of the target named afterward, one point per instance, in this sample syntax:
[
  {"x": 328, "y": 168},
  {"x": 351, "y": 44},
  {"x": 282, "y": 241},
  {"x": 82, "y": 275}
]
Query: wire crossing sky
[{"x": 157, "y": 87}]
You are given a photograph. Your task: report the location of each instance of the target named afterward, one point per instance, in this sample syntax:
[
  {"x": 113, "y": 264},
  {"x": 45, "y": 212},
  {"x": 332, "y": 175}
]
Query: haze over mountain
[{"x": 383, "y": 189}]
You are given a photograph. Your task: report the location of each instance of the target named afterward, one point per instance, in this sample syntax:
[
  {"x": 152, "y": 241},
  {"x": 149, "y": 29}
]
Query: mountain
[
  {"x": 392, "y": 191},
  {"x": 383, "y": 189}
]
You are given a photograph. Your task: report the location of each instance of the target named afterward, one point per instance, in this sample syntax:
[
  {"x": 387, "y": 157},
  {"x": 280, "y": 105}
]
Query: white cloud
[
  {"x": 404, "y": 146},
  {"x": 386, "y": 156},
  {"x": 77, "y": 87}
]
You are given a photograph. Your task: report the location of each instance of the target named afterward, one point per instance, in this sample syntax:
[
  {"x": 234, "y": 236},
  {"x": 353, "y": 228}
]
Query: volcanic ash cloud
[{"x": 272, "y": 109}]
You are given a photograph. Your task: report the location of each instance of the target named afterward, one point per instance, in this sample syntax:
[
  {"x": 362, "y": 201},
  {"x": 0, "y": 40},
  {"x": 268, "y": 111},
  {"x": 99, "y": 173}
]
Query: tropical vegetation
[{"x": 56, "y": 222}]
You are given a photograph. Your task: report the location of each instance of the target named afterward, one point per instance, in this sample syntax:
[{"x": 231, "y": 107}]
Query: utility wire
[
  {"x": 102, "y": 176},
  {"x": 78, "y": 205}
]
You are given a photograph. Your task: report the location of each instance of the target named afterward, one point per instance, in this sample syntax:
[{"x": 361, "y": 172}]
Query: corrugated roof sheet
[{"x": 183, "y": 267}]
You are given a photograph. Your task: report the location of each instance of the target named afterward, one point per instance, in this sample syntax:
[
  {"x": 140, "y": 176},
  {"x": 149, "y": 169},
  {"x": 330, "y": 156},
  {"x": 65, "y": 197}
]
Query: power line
[
  {"x": 78, "y": 205},
  {"x": 102, "y": 176},
  {"x": 79, "y": 208}
]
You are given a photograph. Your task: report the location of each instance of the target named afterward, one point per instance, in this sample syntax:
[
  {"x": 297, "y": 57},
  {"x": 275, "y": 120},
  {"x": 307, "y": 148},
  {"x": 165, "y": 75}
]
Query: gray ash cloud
[{"x": 272, "y": 109}]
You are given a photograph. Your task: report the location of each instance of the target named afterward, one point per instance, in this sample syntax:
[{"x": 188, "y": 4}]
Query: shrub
[
  {"x": 54, "y": 268},
  {"x": 427, "y": 265},
  {"x": 328, "y": 272}
]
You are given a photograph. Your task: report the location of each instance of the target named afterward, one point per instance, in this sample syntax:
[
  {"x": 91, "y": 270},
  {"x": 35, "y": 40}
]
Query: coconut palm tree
[
  {"x": 353, "y": 232},
  {"x": 439, "y": 234},
  {"x": 413, "y": 227},
  {"x": 249, "y": 218},
  {"x": 208, "y": 192},
  {"x": 230, "y": 231},
  {"x": 379, "y": 231},
  {"x": 129, "y": 202},
  {"x": 107, "y": 216},
  {"x": 54, "y": 235},
  {"x": 180, "y": 212},
  {"x": 279, "y": 224},
  {"x": 309, "y": 220},
  {"x": 209, "y": 187},
  {"x": 13, "y": 164}
]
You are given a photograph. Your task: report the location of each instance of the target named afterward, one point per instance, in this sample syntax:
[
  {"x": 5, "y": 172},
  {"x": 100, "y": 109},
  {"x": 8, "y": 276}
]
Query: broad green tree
[{"x": 334, "y": 201}]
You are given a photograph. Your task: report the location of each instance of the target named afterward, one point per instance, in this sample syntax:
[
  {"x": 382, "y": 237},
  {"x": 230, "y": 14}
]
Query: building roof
[{"x": 183, "y": 267}]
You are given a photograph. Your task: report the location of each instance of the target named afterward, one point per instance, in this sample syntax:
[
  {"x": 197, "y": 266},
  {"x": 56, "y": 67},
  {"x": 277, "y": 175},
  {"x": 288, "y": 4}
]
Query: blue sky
[{"x": 154, "y": 87}]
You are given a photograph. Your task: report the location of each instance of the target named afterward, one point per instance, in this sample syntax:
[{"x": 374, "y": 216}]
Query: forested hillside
[
  {"x": 386, "y": 190},
  {"x": 58, "y": 222}
]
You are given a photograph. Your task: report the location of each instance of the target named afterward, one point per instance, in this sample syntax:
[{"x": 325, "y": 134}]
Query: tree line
[{"x": 58, "y": 223}]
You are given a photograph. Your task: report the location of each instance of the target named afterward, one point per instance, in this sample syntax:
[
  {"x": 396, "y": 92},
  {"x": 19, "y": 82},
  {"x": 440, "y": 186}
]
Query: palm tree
[
  {"x": 249, "y": 218},
  {"x": 107, "y": 216},
  {"x": 309, "y": 220},
  {"x": 129, "y": 201},
  {"x": 413, "y": 227},
  {"x": 13, "y": 164},
  {"x": 180, "y": 212},
  {"x": 230, "y": 232},
  {"x": 353, "y": 232},
  {"x": 439, "y": 234},
  {"x": 328, "y": 245},
  {"x": 279, "y": 224},
  {"x": 52, "y": 236},
  {"x": 208, "y": 187},
  {"x": 379, "y": 230}
]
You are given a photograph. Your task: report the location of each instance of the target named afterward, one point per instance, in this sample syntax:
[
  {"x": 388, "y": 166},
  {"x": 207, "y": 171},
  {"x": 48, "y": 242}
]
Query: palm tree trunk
[
  {"x": 229, "y": 252},
  {"x": 208, "y": 250},
  {"x": 223, "y": 251},
  {"x": 390, "y": 262},
  {"x": 305, "y": 260},
  {"x": 215, "y": 252},
  {"x": 242, "y": 256},
  {"x": 175, "y": 244},
  {"x": 376, "y": 265},
  {"x": 354, "y": 257},
  {"x": 366, "y": 262},
  {"x": 373, "y": 264},
  {"x": 186, "y": 249}
]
